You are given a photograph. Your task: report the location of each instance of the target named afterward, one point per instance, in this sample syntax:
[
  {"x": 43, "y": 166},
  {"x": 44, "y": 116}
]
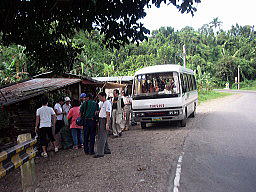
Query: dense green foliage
[
  {"x": 213, "y": 53},
  {"x": 42, "y": 25},
  {"x": 13, "y": 64},
  {"x": 247, "y": 85}
]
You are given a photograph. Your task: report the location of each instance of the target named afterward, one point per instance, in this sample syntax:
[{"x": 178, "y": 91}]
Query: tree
[
  {"x": 41, "y": 25},
  {"x": 215, "y": 23},
  {"x": 12, "y": 64},
  {"x": 94, "y": 54}
]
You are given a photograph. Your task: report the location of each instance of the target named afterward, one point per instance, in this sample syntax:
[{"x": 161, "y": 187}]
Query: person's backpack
[{"x": 80, "y": 121}]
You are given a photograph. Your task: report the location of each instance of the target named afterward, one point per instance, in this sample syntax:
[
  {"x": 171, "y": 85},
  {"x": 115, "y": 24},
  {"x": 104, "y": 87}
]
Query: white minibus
[{"x": 164, "y": 93}]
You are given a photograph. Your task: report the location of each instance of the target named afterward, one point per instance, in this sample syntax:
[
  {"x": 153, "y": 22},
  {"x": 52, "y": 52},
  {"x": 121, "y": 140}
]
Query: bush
[{"x": 246, "y": 84}]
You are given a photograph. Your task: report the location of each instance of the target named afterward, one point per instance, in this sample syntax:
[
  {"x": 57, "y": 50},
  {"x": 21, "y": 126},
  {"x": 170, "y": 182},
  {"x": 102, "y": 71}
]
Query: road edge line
[{"x": 176, "y": 181}]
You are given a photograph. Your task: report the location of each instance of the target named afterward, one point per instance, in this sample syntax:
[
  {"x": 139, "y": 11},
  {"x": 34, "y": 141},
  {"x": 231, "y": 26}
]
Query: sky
[{"x": 229, "y": 12}]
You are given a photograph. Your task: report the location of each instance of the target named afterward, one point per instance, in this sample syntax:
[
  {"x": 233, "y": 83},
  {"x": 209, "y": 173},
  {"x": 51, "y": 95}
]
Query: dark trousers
[
  {"x": 102, "y": 145},
  {"x": 59, "y": 124},
  {"x": 89, "y": 135},
  {"x": 43, "y": 133}
]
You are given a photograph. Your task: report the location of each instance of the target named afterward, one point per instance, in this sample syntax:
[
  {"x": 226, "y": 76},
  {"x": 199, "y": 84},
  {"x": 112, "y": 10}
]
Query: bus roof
[{"x": 164, "y": 68}]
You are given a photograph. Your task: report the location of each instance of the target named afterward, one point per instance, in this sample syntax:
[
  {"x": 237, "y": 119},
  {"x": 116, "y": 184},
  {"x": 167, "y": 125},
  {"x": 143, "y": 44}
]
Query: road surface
[{"x": 220, "y": 152}]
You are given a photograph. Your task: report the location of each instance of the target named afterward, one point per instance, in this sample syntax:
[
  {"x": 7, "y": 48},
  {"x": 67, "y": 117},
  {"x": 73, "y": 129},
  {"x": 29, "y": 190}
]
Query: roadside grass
[
  {"x": 208, "y": 95},
  {"x": 246, "y": 85},
  {"x": 248, "y": 88}
]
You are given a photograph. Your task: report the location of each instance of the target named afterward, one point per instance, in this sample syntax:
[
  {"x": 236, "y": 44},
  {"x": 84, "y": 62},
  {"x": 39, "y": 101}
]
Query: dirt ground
[{"x": 141, "y": 160}]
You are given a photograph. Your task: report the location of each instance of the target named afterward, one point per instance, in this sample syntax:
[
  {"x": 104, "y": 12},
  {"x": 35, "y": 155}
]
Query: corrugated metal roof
[
  {"x": 31, "y": 88},
  {"x": 51, "y": 74},
  {"x": 114, "y": 79}
]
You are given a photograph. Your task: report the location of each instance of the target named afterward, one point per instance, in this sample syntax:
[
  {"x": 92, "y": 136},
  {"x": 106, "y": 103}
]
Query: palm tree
[{"x": 215, "y": 23}]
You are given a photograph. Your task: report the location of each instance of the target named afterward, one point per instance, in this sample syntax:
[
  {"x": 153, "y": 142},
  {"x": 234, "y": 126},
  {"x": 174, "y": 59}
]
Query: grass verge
[
  {"x": 246, "y": 85},
  {"x": 208, "y": 95},
  {"x": 249, "y": 88}
]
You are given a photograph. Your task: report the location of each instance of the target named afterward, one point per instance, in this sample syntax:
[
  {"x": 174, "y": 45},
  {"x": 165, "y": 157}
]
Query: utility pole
[
  {"x": 238, "y": 77},
  {"x": 184, "y": 55}
]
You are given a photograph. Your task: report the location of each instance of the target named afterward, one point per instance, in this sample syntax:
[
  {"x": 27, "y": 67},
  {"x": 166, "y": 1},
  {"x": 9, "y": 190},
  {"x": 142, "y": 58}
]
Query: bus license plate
[{"x": 156, "y": 118}]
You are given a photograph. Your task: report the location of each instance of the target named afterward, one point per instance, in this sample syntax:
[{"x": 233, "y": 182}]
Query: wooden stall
[
  {"x": 126, "y": 81},
  {"x": 19, "y": 102}
]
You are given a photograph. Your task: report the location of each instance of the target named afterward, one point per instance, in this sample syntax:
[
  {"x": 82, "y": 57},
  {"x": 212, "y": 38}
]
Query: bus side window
[
  {"x": 194, "y": 82},
  {"x": 188, "y": 82},
  {"x": 183, "y": 83},
  {"x": 191, "y": 87}
]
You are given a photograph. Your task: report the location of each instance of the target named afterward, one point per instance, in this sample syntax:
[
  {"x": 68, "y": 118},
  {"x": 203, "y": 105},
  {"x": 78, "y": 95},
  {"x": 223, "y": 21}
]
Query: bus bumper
[{"x": 145, "y": 118}]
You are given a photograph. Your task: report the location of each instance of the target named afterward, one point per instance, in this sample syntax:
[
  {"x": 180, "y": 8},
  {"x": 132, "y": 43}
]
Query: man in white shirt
[
  {"x": 59, "y": 113},
  {"x": 67, "y": 141},
  {"x": 66, "y": 107},
  {"x": 104, "y": 122},
  {"x": 44, "y": 117}
]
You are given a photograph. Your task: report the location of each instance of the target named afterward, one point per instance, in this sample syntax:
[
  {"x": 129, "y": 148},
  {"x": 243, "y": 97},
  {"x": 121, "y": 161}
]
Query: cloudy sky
[{"x": 229, "y": 12}]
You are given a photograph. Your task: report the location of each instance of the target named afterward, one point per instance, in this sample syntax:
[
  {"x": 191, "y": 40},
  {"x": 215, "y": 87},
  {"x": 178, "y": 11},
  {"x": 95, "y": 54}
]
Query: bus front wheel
[
  {"x": 194, "y": 112},
  {"x": 143, "y": 125},
  {"x": 183, "y": 122}
]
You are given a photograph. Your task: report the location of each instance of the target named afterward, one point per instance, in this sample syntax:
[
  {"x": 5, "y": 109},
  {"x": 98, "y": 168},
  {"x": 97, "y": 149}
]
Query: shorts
[{"x": 43, "y": 133}]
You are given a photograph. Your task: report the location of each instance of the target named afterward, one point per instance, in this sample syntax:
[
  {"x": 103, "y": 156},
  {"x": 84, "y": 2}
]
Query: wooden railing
[{"x": 21, "y": 155}]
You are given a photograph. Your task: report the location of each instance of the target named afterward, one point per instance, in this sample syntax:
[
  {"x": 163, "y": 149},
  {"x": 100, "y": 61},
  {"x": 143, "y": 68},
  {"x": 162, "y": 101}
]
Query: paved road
[{"x": 220, "y": 152}]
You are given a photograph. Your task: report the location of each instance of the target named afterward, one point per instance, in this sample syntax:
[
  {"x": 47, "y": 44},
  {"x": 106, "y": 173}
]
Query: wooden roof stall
[{"x": 19, "y": 102}]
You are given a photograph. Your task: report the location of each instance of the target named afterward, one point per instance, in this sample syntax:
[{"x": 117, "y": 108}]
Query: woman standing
[{"x": 76, "y": 130}]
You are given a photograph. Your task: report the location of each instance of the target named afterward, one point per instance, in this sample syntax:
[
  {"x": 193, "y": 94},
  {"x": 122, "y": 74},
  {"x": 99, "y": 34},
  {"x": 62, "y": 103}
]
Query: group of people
[
  {"x": 166, "y": 86},
  {"x": 84, "y": 119}
]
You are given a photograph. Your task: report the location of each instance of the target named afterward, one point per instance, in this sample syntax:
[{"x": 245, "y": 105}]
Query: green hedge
[{"x": 208, "y": 95}]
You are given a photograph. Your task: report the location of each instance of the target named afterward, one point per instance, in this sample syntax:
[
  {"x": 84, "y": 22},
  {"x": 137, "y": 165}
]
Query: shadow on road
[{"x": 173, "y": 125}]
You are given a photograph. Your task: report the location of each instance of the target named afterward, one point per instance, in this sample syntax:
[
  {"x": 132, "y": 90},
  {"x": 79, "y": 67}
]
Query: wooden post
[
  {"x": 79, "y": 90},
  {"x": 28, "y": 175},
  {"x": 184, "y": 55},
  {"x": 238, "y": 78}
]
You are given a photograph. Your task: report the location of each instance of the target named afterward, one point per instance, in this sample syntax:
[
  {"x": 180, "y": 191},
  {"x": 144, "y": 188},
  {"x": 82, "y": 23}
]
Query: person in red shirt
[{"x": 76, "y": 130}]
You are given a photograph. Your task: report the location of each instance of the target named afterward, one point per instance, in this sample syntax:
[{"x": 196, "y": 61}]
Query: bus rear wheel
[{"x": 143, "y": 125}]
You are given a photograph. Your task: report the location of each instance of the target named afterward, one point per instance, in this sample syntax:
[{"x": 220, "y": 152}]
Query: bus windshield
[{"x": 156, "y": 85}]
